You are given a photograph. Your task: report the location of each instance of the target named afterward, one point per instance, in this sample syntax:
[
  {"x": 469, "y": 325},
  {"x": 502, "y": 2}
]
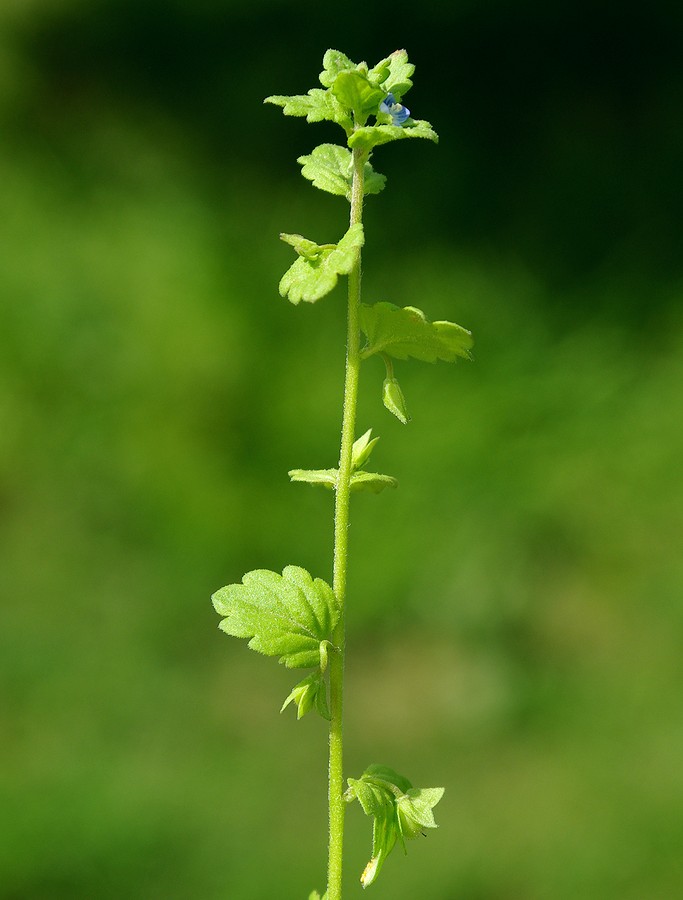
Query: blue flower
[{"x": 398, "y": 113}]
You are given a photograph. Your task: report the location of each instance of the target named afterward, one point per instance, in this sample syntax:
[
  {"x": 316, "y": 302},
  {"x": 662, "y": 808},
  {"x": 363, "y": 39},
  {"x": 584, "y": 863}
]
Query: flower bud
[
  {"x": 362, "y": 448},
  {"x": 308, "y": 691}
]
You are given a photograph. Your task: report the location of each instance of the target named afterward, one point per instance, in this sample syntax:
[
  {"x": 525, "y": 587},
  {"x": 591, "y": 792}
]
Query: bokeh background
[{"x": 515, "y": 607}]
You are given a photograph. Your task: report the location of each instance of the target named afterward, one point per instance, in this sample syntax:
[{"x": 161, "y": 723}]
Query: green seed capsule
[{"x": 392, "y": 397}]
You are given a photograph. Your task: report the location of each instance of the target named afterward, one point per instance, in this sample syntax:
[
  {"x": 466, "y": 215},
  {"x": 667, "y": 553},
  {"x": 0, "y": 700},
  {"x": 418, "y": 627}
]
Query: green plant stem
[{"x": 341, "y": 529}]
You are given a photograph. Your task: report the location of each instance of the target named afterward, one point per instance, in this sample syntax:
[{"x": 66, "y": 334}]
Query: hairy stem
[{"x": 341, "y": 529}]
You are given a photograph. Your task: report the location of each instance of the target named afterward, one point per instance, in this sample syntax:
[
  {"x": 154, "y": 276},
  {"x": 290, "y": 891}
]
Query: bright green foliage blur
[{"x": 515, "y": 606}]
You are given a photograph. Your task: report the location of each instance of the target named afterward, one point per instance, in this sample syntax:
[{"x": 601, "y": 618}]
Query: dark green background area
[{"x": 515, "y": 608}]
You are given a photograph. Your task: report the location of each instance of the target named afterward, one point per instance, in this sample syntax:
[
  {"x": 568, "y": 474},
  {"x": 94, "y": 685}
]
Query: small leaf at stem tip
[
  {"x": 362, "y": 448},
  {"x": 393, "y": 72},
  {"x": 316, "y": 896},
  {"x": 334, "y": 62},
  {"x": 356, "y": 92},
  {"x": 404, "y": 332},
  {"x": 393, "y": 400},
  {"x": 398, "y": 81}
]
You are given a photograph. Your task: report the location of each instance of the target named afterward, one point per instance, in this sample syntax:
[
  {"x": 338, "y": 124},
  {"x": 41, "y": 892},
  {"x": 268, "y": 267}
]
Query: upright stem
[{"x": 341, "y": 528}]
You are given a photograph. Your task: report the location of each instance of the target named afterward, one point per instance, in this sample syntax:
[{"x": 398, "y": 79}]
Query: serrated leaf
[
  {"x": 286, "y": 615},
  {"x": 373, "y": 182},
  {"x": 325, "y": 477},
  {"x": 317, "y": 106},
  {"x": 318, "y": 596},
  {"x": 393, "y": 73},
  {"x": 330, "y": 168},
  {"x": 355, "y": 92},
  {"x": 345, "y": 257},
  {"x": 371, "y": 482},
  {"x": 334, "y": 62},
  {"x": 313, "y": 276},
  {"x": 404, "y": 332},
  {"x": 306, "y": 281},
  {"x": 370, "y": 136}
]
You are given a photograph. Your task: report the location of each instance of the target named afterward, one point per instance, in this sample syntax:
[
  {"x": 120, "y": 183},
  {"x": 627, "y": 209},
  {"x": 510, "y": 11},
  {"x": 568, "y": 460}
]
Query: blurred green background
[{"x": 515, "y": 607}]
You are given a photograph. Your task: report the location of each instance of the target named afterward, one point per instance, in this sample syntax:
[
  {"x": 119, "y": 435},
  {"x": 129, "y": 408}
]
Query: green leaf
[
  {"x": 368, "y": 482},
  {"x": 286, "y": 615},
  {"x": 310, "y": 691},
  {"x": 378, "y": 74},
  {"x": 334, "y": 62},
  {"x": 315, "y": 273},
  {"x": 355, "y": 92},
  {"x": 373, "y": 182},
  {"x": 330, "y": 168},
  {"x": 404, "y": 332},
  {"x": 371, "y": 482},
  {"x": 325, "y": 477},
  {"x": 393, "y": 73},
  {"x": 392, "y": 398},
  {"x": 362, "y": 448},
  {"x": 317, "y": 106},
  {"x": 400, "y": 70},
  {"x": 370, "y": 136}
]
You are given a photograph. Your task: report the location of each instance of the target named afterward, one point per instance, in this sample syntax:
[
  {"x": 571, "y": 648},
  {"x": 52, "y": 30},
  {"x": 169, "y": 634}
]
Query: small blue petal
[
  {"x": 399, "y": 114},
  {"x": 397, "y": 111}
]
